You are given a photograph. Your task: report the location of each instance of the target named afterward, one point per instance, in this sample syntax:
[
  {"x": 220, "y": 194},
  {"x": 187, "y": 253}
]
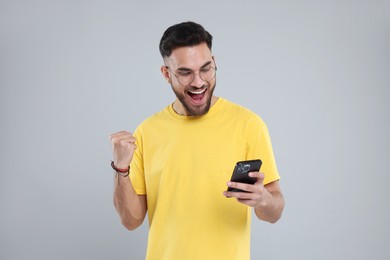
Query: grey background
[{"x": 72, "y": 72}]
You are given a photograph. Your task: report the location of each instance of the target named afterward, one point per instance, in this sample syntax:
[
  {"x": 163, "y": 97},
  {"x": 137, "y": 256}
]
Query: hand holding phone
[{"x": 241, "y": 171}]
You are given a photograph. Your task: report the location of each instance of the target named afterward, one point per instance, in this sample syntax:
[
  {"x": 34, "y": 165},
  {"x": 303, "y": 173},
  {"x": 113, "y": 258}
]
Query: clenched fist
[{"x": 123, "y": 146}]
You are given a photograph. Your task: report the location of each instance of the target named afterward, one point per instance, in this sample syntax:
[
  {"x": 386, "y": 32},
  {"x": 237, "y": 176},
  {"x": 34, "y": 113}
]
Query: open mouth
[{"x": 197, "y": 97}]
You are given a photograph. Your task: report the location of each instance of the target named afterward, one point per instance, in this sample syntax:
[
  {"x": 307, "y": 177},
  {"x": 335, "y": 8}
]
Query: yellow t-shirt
[{"x": 182, "y": 164}]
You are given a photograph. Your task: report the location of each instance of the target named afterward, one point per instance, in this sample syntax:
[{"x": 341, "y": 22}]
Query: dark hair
[{"x": 182, "y": 35}]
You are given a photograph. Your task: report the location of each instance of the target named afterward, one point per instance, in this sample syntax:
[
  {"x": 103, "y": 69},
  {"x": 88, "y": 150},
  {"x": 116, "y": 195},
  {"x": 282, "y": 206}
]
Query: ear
[{"x": 165, "y": 73}]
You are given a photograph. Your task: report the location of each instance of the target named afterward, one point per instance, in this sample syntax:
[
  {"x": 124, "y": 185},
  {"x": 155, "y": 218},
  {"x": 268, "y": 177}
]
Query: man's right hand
[{"x": 123, "y": 146}]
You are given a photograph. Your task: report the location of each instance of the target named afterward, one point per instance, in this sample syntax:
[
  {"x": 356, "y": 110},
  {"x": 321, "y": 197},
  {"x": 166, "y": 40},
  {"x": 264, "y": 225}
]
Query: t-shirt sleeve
[
  {"x": 259, "y": 147},
  {"x": 137, "y": 175}
]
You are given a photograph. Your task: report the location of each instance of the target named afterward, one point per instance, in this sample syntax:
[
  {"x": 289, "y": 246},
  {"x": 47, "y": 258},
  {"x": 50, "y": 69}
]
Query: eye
[
  {"x": 184, "y": 73},
  {"x": 206, "y": 69}
]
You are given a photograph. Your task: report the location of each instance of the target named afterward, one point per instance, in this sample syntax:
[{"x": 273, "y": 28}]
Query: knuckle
[
  {"x": 114, "y": 140},
  {"x": 122, "y": 142}
]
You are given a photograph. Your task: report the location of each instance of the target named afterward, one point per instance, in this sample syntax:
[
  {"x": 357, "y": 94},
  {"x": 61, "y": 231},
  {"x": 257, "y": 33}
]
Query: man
[{"x": 181, "y": 160}]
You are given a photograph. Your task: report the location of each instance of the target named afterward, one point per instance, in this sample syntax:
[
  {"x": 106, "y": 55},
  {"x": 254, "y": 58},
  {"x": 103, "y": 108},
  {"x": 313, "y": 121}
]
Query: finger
[
  {"x": 242, "y": 186},
  {"x": 258, "y": 175},
  {"x": 130, "y": 139},
  {"x": 119, "y": 137},
  {"x": 226, "y": 194},
  {"x": 126, "y": 145},
  {"x": 133, "y": 146},
  {"x": 120, "y": 134},
  {"x": 239, "y": 195}
]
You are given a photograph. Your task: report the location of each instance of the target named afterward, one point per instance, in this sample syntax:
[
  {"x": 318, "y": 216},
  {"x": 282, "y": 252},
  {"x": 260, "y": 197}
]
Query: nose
[{"x": 197, "y": 82}]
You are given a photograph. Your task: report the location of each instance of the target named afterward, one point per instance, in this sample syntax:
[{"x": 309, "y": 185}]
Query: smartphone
[{"x": 241, "y": 170}]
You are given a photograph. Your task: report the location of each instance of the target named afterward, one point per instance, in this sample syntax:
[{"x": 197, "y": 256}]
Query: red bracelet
[{"x": 119, "y": 171}]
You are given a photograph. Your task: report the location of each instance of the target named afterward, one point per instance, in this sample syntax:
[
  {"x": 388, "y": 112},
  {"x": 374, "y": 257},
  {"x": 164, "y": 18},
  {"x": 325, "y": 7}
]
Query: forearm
[
  {"x": 130, "y": 206},
  {"x": 271, "y": 209}
]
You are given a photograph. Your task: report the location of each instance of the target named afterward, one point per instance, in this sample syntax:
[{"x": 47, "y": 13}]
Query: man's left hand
[{"x": 255, "y": 195}]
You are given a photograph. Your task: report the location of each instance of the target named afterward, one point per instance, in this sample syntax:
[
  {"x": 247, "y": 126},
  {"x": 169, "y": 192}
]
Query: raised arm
[{"x": 130, "y": 206}]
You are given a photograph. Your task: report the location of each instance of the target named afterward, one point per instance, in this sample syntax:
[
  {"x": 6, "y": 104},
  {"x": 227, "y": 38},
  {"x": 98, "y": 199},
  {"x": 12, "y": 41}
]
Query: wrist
[
  {"x": 120, "y": 165},
  {"x": 122, "y": 171}
]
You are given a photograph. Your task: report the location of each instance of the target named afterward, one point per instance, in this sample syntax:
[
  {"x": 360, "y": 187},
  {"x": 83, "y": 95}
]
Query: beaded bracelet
[{"x": 121, "y": 171}]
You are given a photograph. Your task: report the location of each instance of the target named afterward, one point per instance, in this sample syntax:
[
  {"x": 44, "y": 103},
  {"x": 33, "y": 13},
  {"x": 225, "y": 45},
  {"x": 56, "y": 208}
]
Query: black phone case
[{"x": 241, "y": 170}]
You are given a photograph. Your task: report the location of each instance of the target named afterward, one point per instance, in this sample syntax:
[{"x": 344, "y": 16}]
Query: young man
[{"x": 181, "y": 160}]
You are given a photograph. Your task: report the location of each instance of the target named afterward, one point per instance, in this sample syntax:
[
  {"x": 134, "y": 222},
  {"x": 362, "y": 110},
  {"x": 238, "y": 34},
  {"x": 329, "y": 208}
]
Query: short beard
[{"x": 195, "y": 112}]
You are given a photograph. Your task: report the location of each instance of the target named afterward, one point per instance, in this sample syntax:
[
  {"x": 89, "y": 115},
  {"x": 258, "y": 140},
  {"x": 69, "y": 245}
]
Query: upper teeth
[{"x": 198, "y": 92}]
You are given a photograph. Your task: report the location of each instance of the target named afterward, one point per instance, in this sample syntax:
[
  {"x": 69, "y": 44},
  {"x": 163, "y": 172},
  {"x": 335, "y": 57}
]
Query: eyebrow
[{"x": 187, "y": 69}]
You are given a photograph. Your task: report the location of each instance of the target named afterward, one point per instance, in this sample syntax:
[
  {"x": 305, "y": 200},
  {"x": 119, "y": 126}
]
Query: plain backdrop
[{"x": 73, "y": 72}]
